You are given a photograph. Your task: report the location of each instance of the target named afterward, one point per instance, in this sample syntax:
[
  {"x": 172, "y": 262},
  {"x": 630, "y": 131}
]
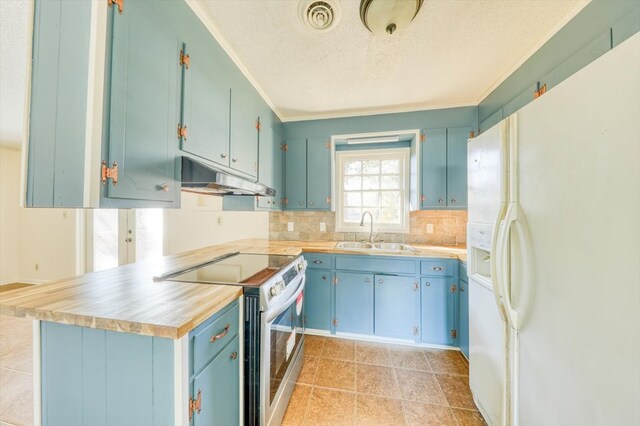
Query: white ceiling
[{"x": 451, "y": 55}]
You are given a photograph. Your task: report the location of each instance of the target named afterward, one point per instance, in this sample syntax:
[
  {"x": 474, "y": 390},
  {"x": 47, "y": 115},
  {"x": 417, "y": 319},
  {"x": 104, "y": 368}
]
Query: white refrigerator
[{"x": 554, "y": 253}]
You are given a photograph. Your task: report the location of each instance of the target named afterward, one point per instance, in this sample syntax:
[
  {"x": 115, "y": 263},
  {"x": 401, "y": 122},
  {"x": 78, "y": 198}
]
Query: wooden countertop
[{"x": 127, "y": 299}]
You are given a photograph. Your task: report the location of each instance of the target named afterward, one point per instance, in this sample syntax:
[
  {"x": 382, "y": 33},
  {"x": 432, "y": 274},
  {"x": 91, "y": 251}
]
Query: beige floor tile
[
  {"x": 373, "y": 410},
  {"x": 468, "y": 417},
  {"x": 339, "y": 349},
  {"x": 313, "y": 345},
  {"x": 456, "y": 390},
  {"x": 372, "y": 353},
  {"x": 16, "y": 397},
  {"x": 5, "y": 424},
  {"x": 15, "y": 326},
  {"x": 446, "y": 362},
  {"x": 419, "y": 386},
  {"x": 336, "y": 374},
  {"x": 297, "y": 406},
  {"x": 376, "y": 380},
  {"x": 421, "y": 414},
  {"x": 408, "y": 357},
  {"x": 309, "y": 369},
  {"x": 331, "y": 407},
  {"x": 16, "y": 352}
]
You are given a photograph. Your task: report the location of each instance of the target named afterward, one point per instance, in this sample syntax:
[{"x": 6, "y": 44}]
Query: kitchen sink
[{"x": 376, "y": 247}]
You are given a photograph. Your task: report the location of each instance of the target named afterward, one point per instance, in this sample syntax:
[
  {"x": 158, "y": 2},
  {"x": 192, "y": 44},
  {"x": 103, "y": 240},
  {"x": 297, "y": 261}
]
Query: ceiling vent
[{"x": 320, "y": 15}]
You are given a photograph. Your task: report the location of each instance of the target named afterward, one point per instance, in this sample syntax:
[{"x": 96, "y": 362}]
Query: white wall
[
  {"x": 196, "y": 224},
  {"x": 9, "y": 213}
]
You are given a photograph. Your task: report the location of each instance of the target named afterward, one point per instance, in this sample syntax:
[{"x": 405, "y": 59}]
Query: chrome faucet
[{"x": 367, "y": 212}]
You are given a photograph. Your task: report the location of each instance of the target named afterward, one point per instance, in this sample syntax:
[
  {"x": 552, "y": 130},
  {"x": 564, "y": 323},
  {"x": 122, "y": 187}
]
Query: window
[{"x": 376, "y": 181}]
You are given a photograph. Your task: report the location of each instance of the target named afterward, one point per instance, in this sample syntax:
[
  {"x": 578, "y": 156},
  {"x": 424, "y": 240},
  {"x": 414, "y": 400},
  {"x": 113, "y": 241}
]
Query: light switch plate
[
  {"x": 290, "y": 226},
  {"x": 429, "y": 228}
]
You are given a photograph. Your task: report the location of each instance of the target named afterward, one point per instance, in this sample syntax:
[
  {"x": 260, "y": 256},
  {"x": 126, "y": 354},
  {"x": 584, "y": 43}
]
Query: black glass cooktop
[{"x": 249, "y": 270}]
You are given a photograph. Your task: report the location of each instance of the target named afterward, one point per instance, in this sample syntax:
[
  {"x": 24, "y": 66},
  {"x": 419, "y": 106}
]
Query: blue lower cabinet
[
  {"x": 397, "y": 306},
  {"x": 463, "y": 318},
  {"x": 354, "y": 303},
  {"x": 317, "y": 299},
  {"x": 438, "y": 311},
  {"x": 217, "y": 388}
]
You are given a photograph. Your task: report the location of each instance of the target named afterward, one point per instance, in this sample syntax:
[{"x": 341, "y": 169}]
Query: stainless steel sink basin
[{"x": 377, "y": 247}]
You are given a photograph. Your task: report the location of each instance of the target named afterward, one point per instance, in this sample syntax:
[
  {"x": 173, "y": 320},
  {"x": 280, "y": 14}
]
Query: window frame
[{"x": 378, "y": 154}]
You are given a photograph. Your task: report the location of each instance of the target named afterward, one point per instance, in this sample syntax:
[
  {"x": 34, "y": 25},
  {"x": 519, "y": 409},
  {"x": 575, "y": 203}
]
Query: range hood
[{"x": 203, "y": 179}]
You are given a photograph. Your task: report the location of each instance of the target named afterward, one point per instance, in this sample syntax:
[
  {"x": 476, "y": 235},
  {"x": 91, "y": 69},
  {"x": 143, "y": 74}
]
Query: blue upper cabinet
[
  {"x": 308, "y": 174},
  {"x": 434, "y": 169},
  {"x": 244, "y": 127},
  {"x": 295, "y": 174},
  {"x": 144, "y": 102},
  {"x": 318, "y": 174},
  {"x": 444, "y": 168},
  {"x": 270, "y": 167}
]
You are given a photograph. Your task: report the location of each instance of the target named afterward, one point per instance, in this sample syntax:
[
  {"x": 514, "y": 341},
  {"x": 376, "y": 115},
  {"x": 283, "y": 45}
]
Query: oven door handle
[{"x": 270, "y": 316}]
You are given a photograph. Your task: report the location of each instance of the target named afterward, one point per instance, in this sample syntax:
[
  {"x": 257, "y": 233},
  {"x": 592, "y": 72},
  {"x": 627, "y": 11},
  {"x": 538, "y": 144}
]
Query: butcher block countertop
[{"x": 127, "y": 299}]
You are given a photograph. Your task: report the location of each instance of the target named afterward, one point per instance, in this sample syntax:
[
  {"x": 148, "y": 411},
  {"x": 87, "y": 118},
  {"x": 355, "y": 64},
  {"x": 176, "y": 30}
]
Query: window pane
[
  {"x": 390, "y": 182},
  {"x": 353, "y": 199},
  {"x": 105, "y": 239},
  {"x": 353, "y": 167},
  {"x": 390, "y": 215},
  {"x": 148, "y": 233},
  {"x": 371, "y": 182},
  {"x": 352, "y": 215},
  {"x": 391, "y": 199},
  {"x": 371, "y": 167},
  {"x": 370, "y": 199},
  {"x": 352, "y": 182},
  {"x": 390, "y": 166}
]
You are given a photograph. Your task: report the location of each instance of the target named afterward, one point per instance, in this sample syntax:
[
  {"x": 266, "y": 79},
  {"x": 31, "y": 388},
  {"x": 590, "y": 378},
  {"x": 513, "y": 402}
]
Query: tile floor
[
  {"x": 16, "y": 371},
  {"x": 347, "y": 382}
]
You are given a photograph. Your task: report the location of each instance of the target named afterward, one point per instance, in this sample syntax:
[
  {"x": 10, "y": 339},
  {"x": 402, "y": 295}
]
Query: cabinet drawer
[
  {"x": 222, "y": 330},
  {"x": 436, "y": 267},
  {"x": 319, "y": 261},
  {"x": 376, "y": 264}
]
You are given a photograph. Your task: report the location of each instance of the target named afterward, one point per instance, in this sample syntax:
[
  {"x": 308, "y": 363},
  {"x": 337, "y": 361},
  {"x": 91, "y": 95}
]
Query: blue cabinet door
[
  {"x": 457, "y": 166},
  {"x": 218, "y": 385},
  {"x": 318, "y": 174},
  {"x": 206, "y": 99},
  {"x": 317, "y": 299},
  {"x": 270, "y": 166},
  {"x": 434, "y": 169},
  {"x": 463, "y": 318},
  {"x": 244, "y": 127},
  {"x": 354, "y": 303},
  {"x": 296, "y": 174},
  {"x": 437, "y": 310},
  {"x": 397, "y": 306},
  {"x": 144, "y": 96}
]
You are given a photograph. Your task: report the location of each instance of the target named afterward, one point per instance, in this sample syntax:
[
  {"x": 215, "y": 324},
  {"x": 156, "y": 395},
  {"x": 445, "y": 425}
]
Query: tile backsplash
[{"x": 449, "y": 228}]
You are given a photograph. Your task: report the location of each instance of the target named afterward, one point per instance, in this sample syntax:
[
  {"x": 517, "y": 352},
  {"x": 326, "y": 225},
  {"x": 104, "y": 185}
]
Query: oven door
[{"x": 281, "y": 354}]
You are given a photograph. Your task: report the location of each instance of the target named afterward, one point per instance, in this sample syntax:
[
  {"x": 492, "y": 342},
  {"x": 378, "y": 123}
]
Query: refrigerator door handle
[
  {"x": 493, "y": 261},
  {"x": 510, "y": 218}
]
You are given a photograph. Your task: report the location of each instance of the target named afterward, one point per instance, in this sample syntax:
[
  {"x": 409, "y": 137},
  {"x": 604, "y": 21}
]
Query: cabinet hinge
[
  {"x": 195, "y": 404},
  {"x": 258, "y": 125},
  {"x": 184, "y": 59},
  {"x": 328, "y": 200},
  {"x": 541, "y": 91},
  {"x": 109, "y": 173},
  {"x": 327, "y": 144},
  {"x": 454, "y": 288},
  {"x": 416, "y": 286},
  {"x": 416, "y": 330},
  {"x": 423, "y": 198},
  {"x": 422, "y": 137},
  {"x": 335, "y": 322},
  {"x": 285, "y": 201},
  {"x": 182, "y": 132},
  {"x": 335, "y": 280},
  {"x": 284, "y": 147},
  {"x": 454, "y": 334},
  {"x": 472, "y": 134},
  {"x": 120, "y": 4}
]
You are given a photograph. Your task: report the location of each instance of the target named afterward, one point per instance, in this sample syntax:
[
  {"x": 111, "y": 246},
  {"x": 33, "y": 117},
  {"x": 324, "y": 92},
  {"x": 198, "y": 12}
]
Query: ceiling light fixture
[{"x": 388, "y": 16}]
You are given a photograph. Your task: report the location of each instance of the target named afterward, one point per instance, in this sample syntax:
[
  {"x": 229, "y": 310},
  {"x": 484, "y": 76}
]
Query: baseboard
[
  {"x": 32, "y": 281},
  {"x": 377, "y": 339}
]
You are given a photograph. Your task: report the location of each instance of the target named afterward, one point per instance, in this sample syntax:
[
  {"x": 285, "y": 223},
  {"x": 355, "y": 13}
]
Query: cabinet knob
[
  {"x": 310, "y": 203},
  {"x": 428, "y": 284},
  {"x": 453, "y": 201},
  {"x": 461, "y": 289},
  {"x": 436, "y": 268},
  {"x": 235, "y": 160},
  {"x": 380, "y": 281},
  {"x": 324, "y": 277},
  {"x": 317, "y": 262},
  {"x": 164, "y": 187},
  {"x": 367, "y": 280},
  {"x": 223, "y": 155},
  {"x": 302, "y": 203},
  {"x": 233, "y": 355},
  {"x": 440, "y": 201}
]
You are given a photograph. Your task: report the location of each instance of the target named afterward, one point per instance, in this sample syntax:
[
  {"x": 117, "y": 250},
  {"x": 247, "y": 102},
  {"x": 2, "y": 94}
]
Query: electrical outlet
[
  {"x": 323, "y": 227},
  {"x": 219, "y": 220},
  {"x": 430, "y": 228},
  {"x": 289, "y": 226},
  {"x": 37, "y": 267}
]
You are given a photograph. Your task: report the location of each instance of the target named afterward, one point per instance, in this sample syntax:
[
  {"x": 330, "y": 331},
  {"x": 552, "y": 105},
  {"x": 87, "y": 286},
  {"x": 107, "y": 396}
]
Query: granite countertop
[{"x": 127, "y": 299}]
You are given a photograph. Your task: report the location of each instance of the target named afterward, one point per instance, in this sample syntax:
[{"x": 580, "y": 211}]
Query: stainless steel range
[{"x": 273, "y": 321}]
